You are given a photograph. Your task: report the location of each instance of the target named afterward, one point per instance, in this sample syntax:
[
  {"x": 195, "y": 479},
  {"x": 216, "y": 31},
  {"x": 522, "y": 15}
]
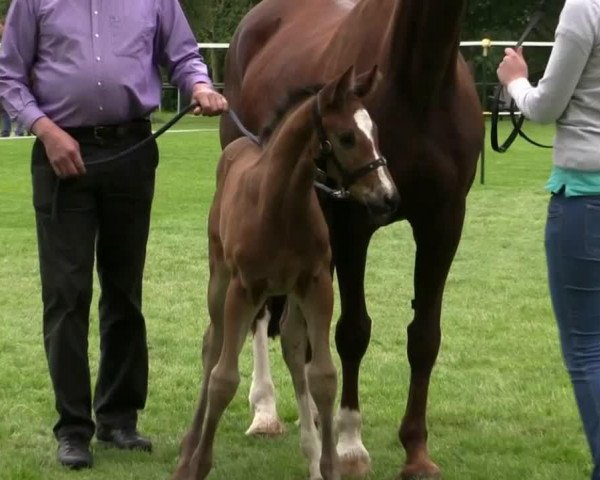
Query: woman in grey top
[{"x": 569, "y": 94}]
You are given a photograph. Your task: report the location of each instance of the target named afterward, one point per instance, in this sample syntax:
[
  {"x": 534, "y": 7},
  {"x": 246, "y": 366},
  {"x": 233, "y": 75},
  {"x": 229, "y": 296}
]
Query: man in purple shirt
[{"x": 84, "y": 78}]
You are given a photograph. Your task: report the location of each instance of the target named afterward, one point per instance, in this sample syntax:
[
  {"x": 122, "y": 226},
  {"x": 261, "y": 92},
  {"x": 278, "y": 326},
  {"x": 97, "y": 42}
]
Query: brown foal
[
  {"x": 268, "y": 236},
  {"x": 431, "y": 132}
]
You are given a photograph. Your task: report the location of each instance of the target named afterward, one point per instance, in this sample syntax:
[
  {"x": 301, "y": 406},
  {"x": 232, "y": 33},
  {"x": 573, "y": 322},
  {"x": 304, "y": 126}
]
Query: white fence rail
[{"x": 471, "y": 43}]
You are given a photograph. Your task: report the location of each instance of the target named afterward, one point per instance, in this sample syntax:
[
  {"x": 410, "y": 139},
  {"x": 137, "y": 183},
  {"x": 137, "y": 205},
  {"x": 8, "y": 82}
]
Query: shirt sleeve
[
  {"x": 17, "y": 54},
  {"x": 178, "y": 49},
  {"x": 575, "y": 38}
]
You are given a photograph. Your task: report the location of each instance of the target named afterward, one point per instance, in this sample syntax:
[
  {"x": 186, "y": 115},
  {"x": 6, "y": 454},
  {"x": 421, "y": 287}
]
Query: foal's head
[{"x": 348, "y": 142}]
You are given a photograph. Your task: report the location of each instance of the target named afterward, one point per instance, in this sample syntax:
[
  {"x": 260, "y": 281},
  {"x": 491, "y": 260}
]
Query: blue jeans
[{"x": 573, "y": 256}]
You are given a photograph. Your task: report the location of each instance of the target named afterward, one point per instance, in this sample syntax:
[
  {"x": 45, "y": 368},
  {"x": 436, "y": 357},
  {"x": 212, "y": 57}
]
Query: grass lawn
[{"x": 501, "y": 406}]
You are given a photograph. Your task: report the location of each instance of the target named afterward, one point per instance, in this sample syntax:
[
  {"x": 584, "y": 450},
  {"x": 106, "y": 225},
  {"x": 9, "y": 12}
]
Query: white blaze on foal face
[{"x": 365, "y": 125}]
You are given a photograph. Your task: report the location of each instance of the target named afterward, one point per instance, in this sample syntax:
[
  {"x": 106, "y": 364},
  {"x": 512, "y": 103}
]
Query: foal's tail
[{"x": 275, "y": 306}]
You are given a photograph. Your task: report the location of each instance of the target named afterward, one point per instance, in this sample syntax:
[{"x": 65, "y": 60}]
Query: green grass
[{"x": 501, "y": 406}]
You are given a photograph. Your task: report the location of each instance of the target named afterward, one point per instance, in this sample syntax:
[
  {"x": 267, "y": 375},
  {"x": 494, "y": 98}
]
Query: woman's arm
[{"x": 575, "y": 39}]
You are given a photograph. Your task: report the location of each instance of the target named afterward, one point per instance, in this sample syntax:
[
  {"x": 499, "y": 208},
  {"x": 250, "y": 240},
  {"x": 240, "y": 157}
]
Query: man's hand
[
  {"x": 210, "y": 102},
  {"x": 62, "y": 149},
  {"x": 513, "y": 66}
]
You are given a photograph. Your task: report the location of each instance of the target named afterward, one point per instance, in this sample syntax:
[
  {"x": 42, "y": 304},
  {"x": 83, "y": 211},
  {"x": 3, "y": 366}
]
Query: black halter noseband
[
  {"x": 326, "y": 153},
  {"x": 517, "y": 123}
]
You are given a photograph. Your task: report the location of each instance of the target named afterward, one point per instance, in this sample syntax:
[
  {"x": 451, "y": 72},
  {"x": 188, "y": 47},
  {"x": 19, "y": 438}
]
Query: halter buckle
[{"x": 326, "y": 147}]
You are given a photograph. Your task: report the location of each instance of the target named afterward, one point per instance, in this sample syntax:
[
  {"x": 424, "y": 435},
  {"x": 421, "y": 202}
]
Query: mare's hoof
[
  {"x": 354, "y": 462},
  {"x": 421, "y": 471},
  {"x": 266, "y": 426}
]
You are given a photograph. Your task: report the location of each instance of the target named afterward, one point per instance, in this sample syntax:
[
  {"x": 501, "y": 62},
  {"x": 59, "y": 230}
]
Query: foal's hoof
[
  {"x": 354, "y": 462},
  {"x": 421, "y": 471},
  {"x": 266, "y": 426}
]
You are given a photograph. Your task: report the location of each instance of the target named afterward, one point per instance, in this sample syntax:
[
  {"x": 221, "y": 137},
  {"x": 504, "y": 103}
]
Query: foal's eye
[{"x": 347, "y": 140}]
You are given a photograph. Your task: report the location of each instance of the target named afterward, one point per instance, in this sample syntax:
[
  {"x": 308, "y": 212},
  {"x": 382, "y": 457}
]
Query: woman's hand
[{"x": 513, "y": 66}]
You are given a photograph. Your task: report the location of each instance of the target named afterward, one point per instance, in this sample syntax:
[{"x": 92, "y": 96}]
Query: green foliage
[
  {"x": 507, "y": 19},
  {"x": 216, "y": 20},
  {"x": 4, "y": 4}
]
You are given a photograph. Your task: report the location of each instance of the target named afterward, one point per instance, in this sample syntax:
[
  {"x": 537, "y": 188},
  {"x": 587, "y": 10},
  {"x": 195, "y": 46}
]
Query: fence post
[{"x": 486, "y": 43}]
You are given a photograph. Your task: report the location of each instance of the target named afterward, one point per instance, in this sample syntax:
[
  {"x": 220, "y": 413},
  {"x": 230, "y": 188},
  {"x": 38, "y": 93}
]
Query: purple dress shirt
[{"x": 94, "y": 62}]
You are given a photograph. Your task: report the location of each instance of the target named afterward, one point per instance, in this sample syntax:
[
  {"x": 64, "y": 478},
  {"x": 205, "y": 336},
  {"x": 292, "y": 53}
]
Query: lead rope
[
  {"x": 517, "y": 123},
  {"x": 127, "y": 151}
]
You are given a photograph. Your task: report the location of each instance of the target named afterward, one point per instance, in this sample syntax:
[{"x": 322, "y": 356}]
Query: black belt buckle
[{"x": 101, "y": 133}]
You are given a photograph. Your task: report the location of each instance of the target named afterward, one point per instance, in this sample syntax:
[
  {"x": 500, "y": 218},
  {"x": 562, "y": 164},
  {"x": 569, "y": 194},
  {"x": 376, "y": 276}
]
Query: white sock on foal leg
[
  {"x": 310, "y": 442},
  {"x": 354, "y": 457},
  {"x": 313, "y": 406},
  {"x": 262, "y": 391}
]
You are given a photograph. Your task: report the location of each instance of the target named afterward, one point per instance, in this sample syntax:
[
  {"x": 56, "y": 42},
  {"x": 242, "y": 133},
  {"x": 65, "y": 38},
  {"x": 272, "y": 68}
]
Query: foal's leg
[
  {"x": 317, "y": 307},
  {"x": 294, "y": 339},
  {"x": 225, "y": 377},
  {"x": 350, "y": 236},
  {"x": 437, "y": 236},
  {"x": 211, "y": 348},
  {"x": 262, "y": 391}
]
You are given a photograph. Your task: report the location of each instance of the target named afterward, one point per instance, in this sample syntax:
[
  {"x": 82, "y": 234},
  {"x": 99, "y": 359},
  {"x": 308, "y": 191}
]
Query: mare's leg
[
  {"x": 262, "y": 391},
  {"x": 317, "y": 307},
  {"x": 294, "y": 339},
  {"x": 211, "y": 348},
  {"x": 437, "y": 234},
  {"x": 350, "y": 236},
  {"x": 224, "y": 378}
]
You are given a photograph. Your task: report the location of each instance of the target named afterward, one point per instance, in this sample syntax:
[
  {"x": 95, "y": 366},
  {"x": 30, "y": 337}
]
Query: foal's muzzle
[{"x": 379, "y": 194}]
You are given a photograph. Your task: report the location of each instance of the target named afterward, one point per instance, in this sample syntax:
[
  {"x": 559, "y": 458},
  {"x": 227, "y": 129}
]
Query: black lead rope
[
  {"x": 238, "y": 123},
  {"x": 146, "y": 140},
  {"x": 54, "y": 208},
  {"x": 124, "y": 153},
  {"x": 517, "y": 123}
]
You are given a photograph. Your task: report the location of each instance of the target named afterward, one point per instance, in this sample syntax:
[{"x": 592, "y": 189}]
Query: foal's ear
[
  {"x": 336, "y": 91},
  {"x": 367, "y": 82}
]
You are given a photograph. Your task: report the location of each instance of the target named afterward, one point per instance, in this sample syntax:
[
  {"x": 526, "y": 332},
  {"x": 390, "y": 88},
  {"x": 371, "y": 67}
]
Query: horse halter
[
  {"x": 326, "y": 153},
  {"x": 516, "y": 122}
]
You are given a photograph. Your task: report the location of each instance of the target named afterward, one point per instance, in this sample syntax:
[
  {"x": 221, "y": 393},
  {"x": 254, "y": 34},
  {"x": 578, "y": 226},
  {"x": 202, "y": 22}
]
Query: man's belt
[{"x": 107, "y": 133}]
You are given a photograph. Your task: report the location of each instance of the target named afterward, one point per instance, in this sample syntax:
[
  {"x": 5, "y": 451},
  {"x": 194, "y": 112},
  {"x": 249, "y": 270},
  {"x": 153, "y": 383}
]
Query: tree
[
  {"x": 215, "y": 21},
  {"x": 507, "y": 19},
  {"x": 4, "y": 4}
]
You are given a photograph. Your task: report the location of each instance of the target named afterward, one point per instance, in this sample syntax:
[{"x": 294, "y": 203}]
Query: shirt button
[
  {"x": 99, "y": 84},
  {"x": 97, "y": 59},
  {"x": 100, "y": 108},
  {"x": 96, "y": 35},
  {"x": 95, "y": 12}
]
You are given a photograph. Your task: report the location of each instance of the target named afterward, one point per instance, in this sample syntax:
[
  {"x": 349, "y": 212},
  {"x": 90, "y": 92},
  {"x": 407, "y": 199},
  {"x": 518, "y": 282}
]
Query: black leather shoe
[
  {"x": 124, "y": 438},
  {"x": 74, "y": 452}
]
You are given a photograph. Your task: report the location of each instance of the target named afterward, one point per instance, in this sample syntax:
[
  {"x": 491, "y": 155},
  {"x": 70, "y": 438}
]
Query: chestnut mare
[
  {"x": 431, "y": 131},
  {"x": 268, "y": 236}
]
